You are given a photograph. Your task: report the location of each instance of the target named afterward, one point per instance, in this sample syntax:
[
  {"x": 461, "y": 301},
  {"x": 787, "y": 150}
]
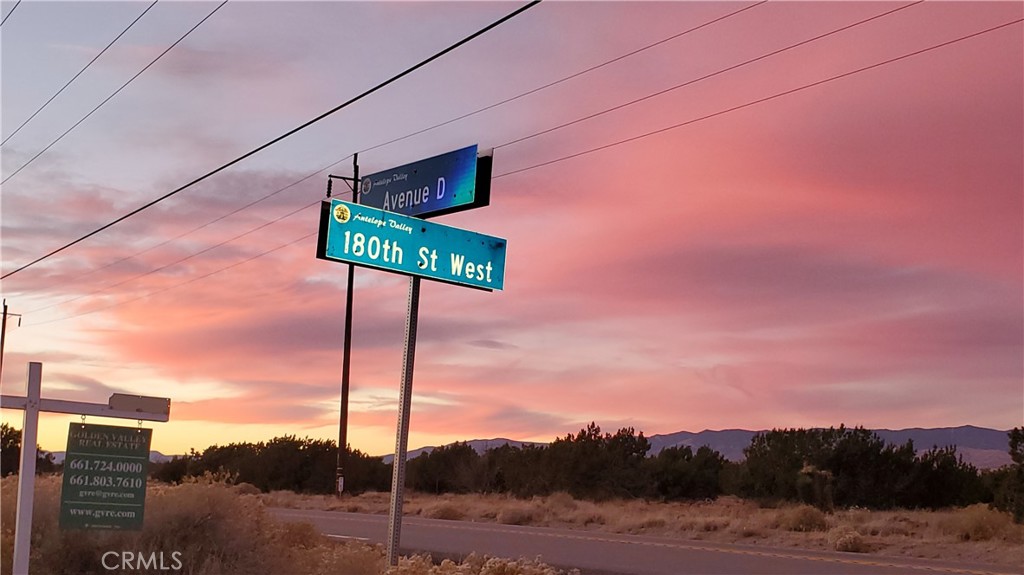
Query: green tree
[
  {"x": 171, "y": 471},
  {"x": 521, "y": 471},
  {"x": 598, "y": 466},
  {"x": 10, "y": 453},
  {"x": 942, "y": 479},
  {"x": 365, "y": 472},
  {"x": 678, "y": 473},
  {"x": 287, "y": 462},
  {"x": 835, "y": 466},
  {"x": 452, "y": 468},
  {"x": 866, "y": 471},
  {"x": 1008, "y": 486},
  {"x": 774, "y": 460},
  {"x": 10, "y": 450}
]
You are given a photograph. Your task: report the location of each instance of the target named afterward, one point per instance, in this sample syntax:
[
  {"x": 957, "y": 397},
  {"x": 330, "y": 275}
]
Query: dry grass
[
  {"x": 974, "y": 533},
  {"x": 472, "y": 565},
  {"x": 218, "y": 529},
  {"x": 802, "y": 518}
]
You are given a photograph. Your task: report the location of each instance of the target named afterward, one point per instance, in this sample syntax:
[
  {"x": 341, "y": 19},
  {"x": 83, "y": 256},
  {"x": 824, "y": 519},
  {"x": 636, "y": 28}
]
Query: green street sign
[
  {"x": 373, "y": 238},
  {"x": 105, "y": 470}
]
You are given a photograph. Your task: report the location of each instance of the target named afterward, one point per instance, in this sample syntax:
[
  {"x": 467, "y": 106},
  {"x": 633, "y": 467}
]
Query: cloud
[
  {"x": 848, "y": 252},
  {"x": 492, "y": 344}
]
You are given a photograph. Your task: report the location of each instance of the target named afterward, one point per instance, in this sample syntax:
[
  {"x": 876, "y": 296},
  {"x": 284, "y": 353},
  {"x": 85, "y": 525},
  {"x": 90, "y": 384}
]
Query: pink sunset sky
[{"x": 850, "y": 252}]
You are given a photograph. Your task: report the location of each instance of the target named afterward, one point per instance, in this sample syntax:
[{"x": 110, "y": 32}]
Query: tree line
[{"x": 828, "y": 468}]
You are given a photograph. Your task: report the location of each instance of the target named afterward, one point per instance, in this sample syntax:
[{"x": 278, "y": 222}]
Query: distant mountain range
[{"x": 982, "y": 447}]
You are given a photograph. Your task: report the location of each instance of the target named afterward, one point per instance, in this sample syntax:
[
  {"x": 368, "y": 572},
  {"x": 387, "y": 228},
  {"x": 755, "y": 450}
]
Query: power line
[
  {"x": 180, "y": 284},
  {"x": 711, "y": 75},
  {"x": 563, "y": 158},
  {"x": 283, "y": 136},
  {"x": 878, "y": 64},
  {"x": 79, "y": 72},
  {"x": 193, "y": 230},
  {"x": 760, "y": 100},
  {"x": 567, "y": 78},
  {"x": 654, "y": 132},
  {"x": 161, "y": 268},
  {"x": 188, "y": 257},
  {"x": 433, "y": 127},
  {"x": 108, "y": 98},
  {"x": 4, "y": 21}
]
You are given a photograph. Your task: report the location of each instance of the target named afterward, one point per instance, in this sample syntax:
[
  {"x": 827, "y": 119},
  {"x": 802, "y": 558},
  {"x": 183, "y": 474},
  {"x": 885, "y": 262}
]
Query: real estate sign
[
  {"x": 104, "y": 477},
  {"x": 374, "y": 238}
]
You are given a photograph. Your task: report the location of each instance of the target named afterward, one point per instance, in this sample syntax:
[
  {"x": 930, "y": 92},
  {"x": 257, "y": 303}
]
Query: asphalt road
[{"x": 595, "y": 553}]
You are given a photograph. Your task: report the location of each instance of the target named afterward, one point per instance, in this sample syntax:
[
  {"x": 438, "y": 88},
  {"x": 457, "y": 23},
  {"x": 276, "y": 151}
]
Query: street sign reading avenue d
[
  {"x": 104, "y": 477},
  {"x": 374, "y": 238},
  {"x": 447, "y": 183}
]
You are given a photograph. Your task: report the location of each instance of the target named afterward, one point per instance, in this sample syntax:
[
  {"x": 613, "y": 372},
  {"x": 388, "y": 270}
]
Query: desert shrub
[
  {"x": 747, "y": 530},
  {"x": 219, "y": 532},
  {"x": 589, "y": 517},
  {"x": 349, "y": 558},
  {"x": 247, "y": 489},
  {"x": 802, "y": 518},
  {"x": 472, "y": 565},
  {"x": 212, "y": 528},
  {"x": 848, "y": 541},
  {"x": 639, "y": 524},
  {"x": 714, "y": 525},
  {"x": 444, "y": 510},
  {"x": 561, "y": 502},
  {"x": 516, "y": 515},
  {"x": 977, "y": 523}
]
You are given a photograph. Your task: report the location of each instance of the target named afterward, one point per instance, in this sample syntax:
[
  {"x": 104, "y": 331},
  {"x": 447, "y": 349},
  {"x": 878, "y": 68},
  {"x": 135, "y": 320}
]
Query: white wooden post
[{"x": 27, "y": 470}]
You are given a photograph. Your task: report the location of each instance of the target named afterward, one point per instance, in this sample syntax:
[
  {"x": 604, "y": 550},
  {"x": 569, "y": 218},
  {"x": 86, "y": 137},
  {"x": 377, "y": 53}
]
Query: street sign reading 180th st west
[
  {"x": 374, "y": 238},
  {"x": 443, "y": 184}
]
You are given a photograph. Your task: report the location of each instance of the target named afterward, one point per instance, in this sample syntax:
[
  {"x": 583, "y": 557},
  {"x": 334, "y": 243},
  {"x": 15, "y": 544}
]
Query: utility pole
[
  {"x": 3, "y": 335},
  {"x": 346, "y": 362}
]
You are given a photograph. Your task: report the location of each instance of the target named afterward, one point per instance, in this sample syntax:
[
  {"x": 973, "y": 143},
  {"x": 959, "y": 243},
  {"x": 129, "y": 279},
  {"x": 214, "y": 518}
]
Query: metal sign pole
[
  {"x": 402, "y": 438},
  {"x": 27, "y": 471}
]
